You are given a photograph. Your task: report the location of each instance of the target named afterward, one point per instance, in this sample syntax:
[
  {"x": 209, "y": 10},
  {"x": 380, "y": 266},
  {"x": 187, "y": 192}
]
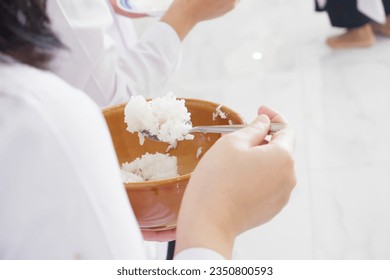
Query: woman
[
  {"x": 61, "y": 196},
  {"x": 361, "y": 18},
  {"x": 108, "y": 62}
]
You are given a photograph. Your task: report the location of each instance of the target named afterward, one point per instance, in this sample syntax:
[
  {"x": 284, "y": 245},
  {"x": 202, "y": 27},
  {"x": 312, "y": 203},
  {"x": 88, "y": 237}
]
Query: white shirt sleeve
[
  {"x": 198, "y": 254},
  {"x": 95, "y": 61},
  {"x": 61, "y": 196}
]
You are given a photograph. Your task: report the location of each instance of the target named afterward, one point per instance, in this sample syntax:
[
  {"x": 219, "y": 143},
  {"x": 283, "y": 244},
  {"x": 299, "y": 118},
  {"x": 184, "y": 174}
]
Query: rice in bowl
[
  {"x": 149, "y": 167},
  {"x": 166, "y": 117}
]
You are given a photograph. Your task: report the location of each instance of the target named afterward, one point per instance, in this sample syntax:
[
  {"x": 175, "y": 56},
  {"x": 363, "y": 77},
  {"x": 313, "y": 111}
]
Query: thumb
[{"x": 255, "y": 133}]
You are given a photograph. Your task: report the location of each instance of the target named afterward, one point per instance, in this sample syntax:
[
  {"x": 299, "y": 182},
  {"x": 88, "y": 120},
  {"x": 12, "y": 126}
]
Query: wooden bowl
[{"x": 156, "y": 204}]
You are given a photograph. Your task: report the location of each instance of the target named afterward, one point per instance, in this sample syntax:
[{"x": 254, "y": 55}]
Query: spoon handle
[{"x": 274, "y": 127}]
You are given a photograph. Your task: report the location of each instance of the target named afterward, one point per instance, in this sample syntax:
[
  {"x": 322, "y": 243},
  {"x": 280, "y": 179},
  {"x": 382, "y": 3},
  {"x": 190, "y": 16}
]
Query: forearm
[
  {"x": 206, "y": 226},
  {"x": 180, "y": 18}
]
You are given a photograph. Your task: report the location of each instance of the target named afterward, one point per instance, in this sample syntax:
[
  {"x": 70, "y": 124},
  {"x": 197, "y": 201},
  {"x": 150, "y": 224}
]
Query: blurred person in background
[{"x": 361, "y": 18}]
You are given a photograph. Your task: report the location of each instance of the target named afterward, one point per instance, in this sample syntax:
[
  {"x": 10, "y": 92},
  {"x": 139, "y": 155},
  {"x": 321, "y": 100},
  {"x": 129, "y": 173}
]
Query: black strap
[{"x": 171, "y": 249}]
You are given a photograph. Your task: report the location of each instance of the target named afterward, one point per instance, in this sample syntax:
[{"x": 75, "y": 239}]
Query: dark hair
[{"x": 25, "y": 32}]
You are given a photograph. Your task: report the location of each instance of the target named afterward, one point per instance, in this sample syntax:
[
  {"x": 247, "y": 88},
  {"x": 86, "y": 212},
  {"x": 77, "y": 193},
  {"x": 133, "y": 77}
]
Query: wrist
[
  {"x": 180, "y": 18},
  {"x": 203, "y": 224},
  {"x": 204, "y": 235}
]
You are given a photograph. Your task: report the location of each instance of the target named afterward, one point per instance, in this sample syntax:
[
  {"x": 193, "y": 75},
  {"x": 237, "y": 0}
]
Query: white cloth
[
  {"x": 321, "y": 3},
  {"x": 105, "y": 59},
  {"x": 372, "y": 8},
  {"x": 61, "y": 196}
]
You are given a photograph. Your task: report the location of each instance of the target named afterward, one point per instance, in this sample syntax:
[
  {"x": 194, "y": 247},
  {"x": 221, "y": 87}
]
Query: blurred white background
[{"x": 272, "y": 52}]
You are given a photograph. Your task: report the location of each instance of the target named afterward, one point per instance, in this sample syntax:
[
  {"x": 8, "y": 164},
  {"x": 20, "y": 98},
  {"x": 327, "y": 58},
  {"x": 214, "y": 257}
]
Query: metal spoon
[{"x": 274, "y": 127}]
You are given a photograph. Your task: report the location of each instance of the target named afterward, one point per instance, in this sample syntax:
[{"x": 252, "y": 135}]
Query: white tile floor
[{"x": 339, "y": 105}]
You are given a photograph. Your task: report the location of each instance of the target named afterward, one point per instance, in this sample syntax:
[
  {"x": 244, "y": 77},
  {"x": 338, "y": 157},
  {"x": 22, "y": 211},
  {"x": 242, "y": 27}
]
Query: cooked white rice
[
  {"x": 218, "y": 112},
  {"x": 150, "y": 167},
  {"x": 165, "y": 117}
]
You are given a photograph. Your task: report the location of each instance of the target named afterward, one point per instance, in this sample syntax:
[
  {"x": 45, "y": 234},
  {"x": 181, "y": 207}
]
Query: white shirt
[
  {"x": 372, "y": 8},
  {"x": 105, "y": 58},
  {"x": 61, "y": 196}
]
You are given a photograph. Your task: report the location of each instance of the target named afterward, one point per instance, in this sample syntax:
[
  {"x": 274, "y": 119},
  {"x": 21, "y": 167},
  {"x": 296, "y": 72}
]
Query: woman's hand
[{"x": 240, "y": 183}]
